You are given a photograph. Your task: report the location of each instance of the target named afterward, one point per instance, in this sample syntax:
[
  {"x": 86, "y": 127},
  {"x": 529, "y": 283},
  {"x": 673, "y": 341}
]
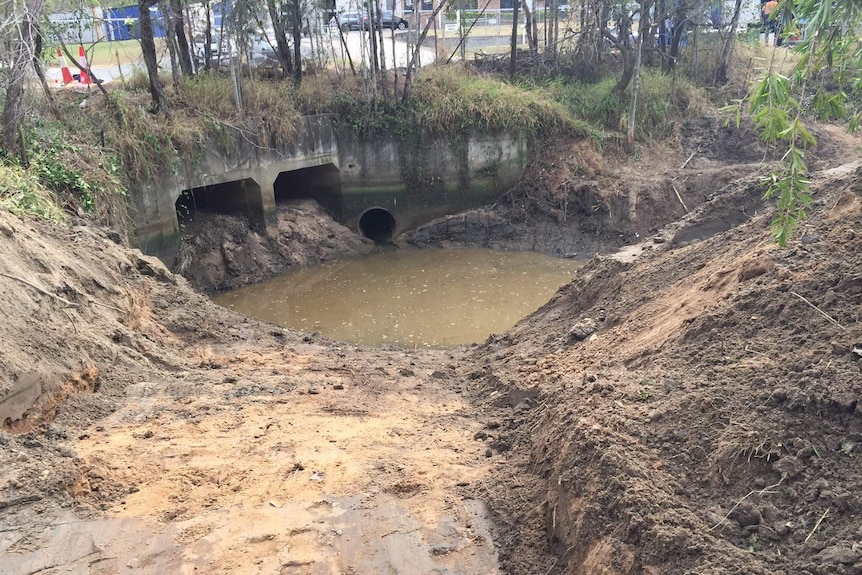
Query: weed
[
  {"x": 664, "y": 103},
  {"x": 22, "y": 193}
]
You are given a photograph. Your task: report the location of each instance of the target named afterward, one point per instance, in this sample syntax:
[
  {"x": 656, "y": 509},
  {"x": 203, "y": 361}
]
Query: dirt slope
[
  {"x": 696, "y": 411},
  {"x": 147, "y": 430}
]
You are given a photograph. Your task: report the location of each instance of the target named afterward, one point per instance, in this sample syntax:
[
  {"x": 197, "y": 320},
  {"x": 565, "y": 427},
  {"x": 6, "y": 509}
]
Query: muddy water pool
[{"x": 425, "y": 298}]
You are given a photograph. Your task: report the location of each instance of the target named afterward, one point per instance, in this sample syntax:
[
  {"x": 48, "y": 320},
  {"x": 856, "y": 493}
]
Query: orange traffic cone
[
  {"x": 85, "y": 71},
  {"x": 67, "y": 75}
]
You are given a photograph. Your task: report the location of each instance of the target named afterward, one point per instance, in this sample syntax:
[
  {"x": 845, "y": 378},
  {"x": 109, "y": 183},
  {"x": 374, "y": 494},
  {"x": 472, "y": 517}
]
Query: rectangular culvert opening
[
  {"x": 319, "y": 183},
  {"x": 237, "y": 198}
]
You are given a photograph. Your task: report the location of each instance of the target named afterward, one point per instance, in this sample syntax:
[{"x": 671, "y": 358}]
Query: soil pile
[
  {"x": 696, "y": 411},
  {"x": 221, "y": 252}
]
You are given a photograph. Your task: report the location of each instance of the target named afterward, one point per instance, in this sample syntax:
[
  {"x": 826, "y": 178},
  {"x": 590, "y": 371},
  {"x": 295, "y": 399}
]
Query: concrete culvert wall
[
  {"x": 239, "y": 197},
  {"x": 377, "y": 224},
  {"x": 320, "y": 183}
]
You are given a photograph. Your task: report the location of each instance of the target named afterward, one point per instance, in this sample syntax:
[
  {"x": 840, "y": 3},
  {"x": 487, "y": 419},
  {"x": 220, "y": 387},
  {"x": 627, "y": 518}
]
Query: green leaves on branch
[
  {"x": 829, "y": 65},
  {"x": 790, "y": 187},
  {"x": 776, "y": 115}
]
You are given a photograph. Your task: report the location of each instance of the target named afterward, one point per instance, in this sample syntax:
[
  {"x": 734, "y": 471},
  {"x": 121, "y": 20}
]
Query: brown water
[{"x": 426, "y": 298}]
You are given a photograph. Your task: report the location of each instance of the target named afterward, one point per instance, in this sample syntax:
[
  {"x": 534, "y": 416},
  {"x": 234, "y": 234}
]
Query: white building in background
[{"x": 750, "y": 11}]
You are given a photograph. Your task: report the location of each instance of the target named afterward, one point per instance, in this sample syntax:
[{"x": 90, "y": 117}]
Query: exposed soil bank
[{"x": 697, "y": 411}]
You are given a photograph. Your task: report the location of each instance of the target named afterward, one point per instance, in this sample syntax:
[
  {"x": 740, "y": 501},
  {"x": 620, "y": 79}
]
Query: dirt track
[{"x": 702, "y": 417}]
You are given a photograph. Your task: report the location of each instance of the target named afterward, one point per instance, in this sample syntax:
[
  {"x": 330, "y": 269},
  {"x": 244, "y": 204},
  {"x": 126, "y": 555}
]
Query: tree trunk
[
  {"x": 344, "y": 46},
  {"x": 530, "y": 26},
  {"x": 627, "y": 51},
  {"x": 513, "y": 59},
  {"x": 22, "y": 56},
  {"x": 148, "y": 48},
  {"x": 37, "y": 66},
  {"x": 297, "y": 40},
  {"x": 727, "y": 48},
  {"x": 633, "y": 102},
  {"x": 384, "y": 84},
  {"x": 183, "y": 52},
  {"x": 372, "y": 41},
  {"x": 680, "y": 23},
  {"x": 168, "y": 16},
  {"x": 282, "y": 51},
  {"x": 208, "y": 37}
]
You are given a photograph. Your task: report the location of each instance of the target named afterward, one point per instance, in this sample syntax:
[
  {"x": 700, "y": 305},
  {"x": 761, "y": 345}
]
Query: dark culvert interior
[
  {"x": 320, "y": 183},
  {"x": 239, "y": 197},
  {"x": 377, "y": 224}
]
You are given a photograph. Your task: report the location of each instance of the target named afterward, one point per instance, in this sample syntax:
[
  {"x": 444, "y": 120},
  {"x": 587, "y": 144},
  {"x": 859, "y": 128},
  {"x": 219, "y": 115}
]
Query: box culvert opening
[
  {"x": 320, "y": 183},
  {"x": 239, "y": 198}
]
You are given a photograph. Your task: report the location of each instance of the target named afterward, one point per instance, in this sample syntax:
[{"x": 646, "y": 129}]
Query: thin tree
[
  {"x": 513, "y": 59},
  {"x": 37, "y": 66},
  {"x": 622, "y": 41},
  {"x": 530, "y": 28},
  {"x": 179, "y": 33},
  {"x": 727, "y": 47},
  {"x": 282, "y": 46},
  {"x": 633, "y": 102},
  {"x": 297, "y": 40},
  {"x": 408, "y": 76},
  {"x": 148, "y": 49},
  {"x": 22, "y": 54},
  {"x": 168, "y": 23},
  {"x": 208, "y": 36}
]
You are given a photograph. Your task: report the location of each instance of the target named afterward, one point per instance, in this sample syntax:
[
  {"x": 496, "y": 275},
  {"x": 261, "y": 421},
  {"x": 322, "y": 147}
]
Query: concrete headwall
[
  {"x": 428, "y": 177},
  {"x": 416, "y": 178},
  {"x": 154, "y": 203}
]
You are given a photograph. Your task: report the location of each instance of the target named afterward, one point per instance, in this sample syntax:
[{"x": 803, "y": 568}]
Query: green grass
[
  {"x": 446, "y": 99},
  {"x": 22, "y": 193},
  {"x": 663, "y": 102},
  {"x": 106, "y": 53}
]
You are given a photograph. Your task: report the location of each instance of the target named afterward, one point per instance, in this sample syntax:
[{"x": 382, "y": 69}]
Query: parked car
[
  {"x": 362, "y": 21},
  {"x": 223, "y": 57},
  {"x": 388, "y": 19},
  {"x": 354, "y": 21}
]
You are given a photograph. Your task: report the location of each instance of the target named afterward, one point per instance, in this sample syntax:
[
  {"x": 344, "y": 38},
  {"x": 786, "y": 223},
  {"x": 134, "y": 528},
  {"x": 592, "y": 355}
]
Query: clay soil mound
[
  {"x": 222, "y": 251},
  {"x": 695, "y": 409}
]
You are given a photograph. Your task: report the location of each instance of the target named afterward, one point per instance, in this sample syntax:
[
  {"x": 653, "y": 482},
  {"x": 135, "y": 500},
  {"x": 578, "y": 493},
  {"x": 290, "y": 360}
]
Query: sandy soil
[
  {"x": 688, "y": 405},
  {"x": 695, "y": 410}
]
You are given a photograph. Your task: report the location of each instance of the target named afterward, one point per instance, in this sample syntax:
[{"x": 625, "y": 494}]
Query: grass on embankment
[
  {"x": 663, "y": 103},
  {"x": 86, "y": 161}
]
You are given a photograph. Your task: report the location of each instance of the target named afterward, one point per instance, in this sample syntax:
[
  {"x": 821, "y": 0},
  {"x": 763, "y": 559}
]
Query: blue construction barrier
[{"x": 124, "y": 23}]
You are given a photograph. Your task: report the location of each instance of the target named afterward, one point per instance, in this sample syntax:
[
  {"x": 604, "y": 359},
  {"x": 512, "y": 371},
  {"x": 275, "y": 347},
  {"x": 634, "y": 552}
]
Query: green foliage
[
  {"x": 455, "y": 99},
  {"x": 49, "y": 154},
  {"x": 663, "y": 103},
  {"x": 831, "y": 58},
  {"x": 22, "y": 193},
  {"x": 777, "y": 116},
  {"x": 447, "y": 99}
]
